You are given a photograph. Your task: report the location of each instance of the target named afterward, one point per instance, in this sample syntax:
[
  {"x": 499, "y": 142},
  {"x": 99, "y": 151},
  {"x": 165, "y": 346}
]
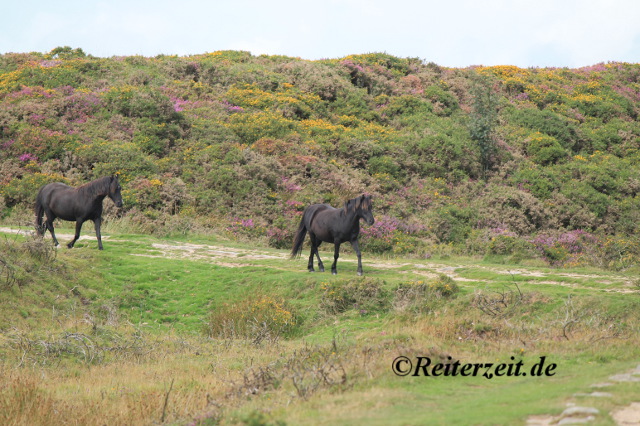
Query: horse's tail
[
  {"x": 39, "y": 210},
  {"x": 299, "y": 238}
]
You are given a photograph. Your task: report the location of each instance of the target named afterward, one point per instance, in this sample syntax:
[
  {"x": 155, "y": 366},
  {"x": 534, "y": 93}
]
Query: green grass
[{"x": 172, "y": 295}]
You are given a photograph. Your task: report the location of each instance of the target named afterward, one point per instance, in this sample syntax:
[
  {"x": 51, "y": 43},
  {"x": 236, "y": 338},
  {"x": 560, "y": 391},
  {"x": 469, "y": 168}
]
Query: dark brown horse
[
  {"x": 331, "y": 225},
  {"x": 58, "y": 200}
]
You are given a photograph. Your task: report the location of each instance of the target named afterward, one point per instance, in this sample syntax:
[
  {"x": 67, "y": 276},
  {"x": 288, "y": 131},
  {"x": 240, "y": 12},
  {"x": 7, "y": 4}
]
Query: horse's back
[
  {"x": 319, "y": 207},
  {"x": 59, "y": 199},
  {"x": 54, "y": 186},
  {"x": 316, "y": 209},
  {"x": 50, "y": 188}
]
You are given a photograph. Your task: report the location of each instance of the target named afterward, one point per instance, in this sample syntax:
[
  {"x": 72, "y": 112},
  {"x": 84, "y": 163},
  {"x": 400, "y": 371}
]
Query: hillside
[{"x": 528, "y": 163}]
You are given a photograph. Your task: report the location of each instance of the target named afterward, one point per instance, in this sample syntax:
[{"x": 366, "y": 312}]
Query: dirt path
[
  {"x": 62, "y": 237},
  {"x": 579, "y": 413},
  {"x": 242, "y": 257}
]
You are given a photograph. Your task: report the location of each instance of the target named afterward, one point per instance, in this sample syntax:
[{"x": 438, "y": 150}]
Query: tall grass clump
[
  {"x": 256, "y": 318},
  {"x": 422, "y": 295},
  {"x": 21, "y": 260},
  {"x": 365, "y": 295}
]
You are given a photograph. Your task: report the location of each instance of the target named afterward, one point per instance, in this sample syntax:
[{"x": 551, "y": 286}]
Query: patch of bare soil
[
  {"x": 627, "y": 416},
  {"x": 574, "y": 414},
  {"x": 63, "y": 238},
  {"x": 228, "y": 256},
  {"x": 208, "y": 253}
]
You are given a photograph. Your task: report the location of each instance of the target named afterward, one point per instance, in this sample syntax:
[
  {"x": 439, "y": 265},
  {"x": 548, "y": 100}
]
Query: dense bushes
[{"x": 481, "y": 160}]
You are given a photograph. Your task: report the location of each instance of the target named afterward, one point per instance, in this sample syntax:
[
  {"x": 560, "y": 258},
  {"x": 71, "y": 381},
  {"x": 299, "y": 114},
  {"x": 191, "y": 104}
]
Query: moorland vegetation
[{"x": 502, "y": 160}]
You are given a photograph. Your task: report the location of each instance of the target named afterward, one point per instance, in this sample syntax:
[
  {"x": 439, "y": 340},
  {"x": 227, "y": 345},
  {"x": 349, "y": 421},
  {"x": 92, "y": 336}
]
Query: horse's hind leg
[
  {"x": 75, "y": 237},
  {"x": 48, "y": 224},
  {"x": 314, "y": 250},
  {"x": 320, "y": 264}
]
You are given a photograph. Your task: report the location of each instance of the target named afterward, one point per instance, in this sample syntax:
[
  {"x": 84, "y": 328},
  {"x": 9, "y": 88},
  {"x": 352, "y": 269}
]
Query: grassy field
[{"x": 200, "y": 330}]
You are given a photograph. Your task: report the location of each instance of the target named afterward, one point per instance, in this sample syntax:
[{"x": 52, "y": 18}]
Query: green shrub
[
  {"x": 504, "y": 244},
  {"x": 547, "y": 122},
  {"x": 445, "y": 151},
  {"x": 133, "y": 101},
  {"x": 366, "y": 295},
  {"x": 545, "y": 149},
  {"x": 24, "y": 190},
  {"x": 585, "y": 195},
  {"x": 125, "y": 159},
  {"x": 406, "y": 105},
  {"x": 444, "y": 102},
  {"x": 452, "y": 224},
  {"x": 420, "y": 296},
  {"x": 540, "y": 181},
  {"x": 385, "y": 164},
  {"x": 324, "y": 81},
  {"x": 250, "y": 127},
  {"x": 257, "y": 317},
  {"x": 620, "y": 252}
]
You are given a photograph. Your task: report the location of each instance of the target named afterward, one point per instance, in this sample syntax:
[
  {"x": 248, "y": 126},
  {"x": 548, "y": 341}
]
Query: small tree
[
  {"x": 484, "y": 118},
  {"x": 66, "y": 52}
]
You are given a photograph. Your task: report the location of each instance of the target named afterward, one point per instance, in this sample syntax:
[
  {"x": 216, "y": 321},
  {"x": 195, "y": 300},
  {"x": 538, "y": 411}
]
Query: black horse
[
  {"x": 58, "y": 200},
  {"x": 331, "y": 225}
]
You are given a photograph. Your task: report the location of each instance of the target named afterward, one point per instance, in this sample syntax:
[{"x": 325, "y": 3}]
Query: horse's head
[
  {"x": 364, "y": 208},
  {"x": 114, "y": 191}
]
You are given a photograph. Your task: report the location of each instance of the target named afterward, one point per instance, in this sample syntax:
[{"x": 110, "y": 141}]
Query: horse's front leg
[
  {"x": 356, "y": 248},
  {"x": 336, "y": 254},
  {"x": 79, "y": 223},
  {"x": 97, "y": 223}
]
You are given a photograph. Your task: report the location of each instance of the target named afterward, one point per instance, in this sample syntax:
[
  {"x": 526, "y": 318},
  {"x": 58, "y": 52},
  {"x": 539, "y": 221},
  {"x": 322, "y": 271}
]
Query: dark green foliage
[
  {"x": 452, "y": 224},
  {"x": 541, "y": 182},
  {"x": 66, "y": 52},
  {"x": 545, "y": 150},
  {"x": 445, "y": 101},
  {"x": 547, "y": 122},
  {"x": 483, "y": 122}
]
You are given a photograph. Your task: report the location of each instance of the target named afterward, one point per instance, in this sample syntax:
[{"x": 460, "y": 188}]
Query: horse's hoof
[
  {"x": 360, "y": 274},
  {"x": 334, "y": 273}
]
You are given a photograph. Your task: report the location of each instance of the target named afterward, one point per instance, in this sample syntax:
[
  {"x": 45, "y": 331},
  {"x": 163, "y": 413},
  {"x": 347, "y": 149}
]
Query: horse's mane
[
  {"x": 357, "y": 204},
  {"x": 96, "y": 187}
]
